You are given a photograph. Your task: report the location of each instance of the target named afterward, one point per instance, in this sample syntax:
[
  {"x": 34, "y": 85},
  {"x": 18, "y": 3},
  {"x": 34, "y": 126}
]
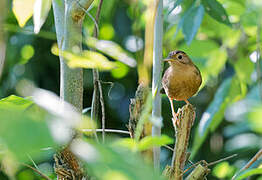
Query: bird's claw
[{"x": 175, "y": 120}]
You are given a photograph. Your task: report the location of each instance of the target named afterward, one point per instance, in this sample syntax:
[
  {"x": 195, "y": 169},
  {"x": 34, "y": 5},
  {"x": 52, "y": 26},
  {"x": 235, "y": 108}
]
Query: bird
[{"x": 181, "y": 80}]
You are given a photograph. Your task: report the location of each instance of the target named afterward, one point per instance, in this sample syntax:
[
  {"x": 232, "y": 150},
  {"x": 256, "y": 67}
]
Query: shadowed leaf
[
  {"x": 23, "y": 129},
  {"x": 191, "y": 22},
  {"x": 229, "y": 92},
  {"x": 216, "y": 10}
]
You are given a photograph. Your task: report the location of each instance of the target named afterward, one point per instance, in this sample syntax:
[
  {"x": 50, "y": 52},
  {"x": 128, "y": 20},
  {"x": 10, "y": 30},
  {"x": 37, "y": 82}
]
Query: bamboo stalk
[
  {"x": 68, "y": 16},
  {"x": 157, "y": 69}
]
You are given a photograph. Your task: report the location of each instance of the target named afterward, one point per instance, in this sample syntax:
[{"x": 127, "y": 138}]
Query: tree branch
[
  {"x": 199, "y": 173},
  {"x": 186, "y": 118}
]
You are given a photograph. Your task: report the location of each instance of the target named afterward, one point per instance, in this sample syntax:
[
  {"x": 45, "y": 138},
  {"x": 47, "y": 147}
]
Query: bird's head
[{"x": 177, "y": 56}]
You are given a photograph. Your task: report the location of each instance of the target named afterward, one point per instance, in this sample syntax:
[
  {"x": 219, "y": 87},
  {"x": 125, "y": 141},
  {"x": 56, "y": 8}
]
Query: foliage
[{"x": 223, "y": 38}]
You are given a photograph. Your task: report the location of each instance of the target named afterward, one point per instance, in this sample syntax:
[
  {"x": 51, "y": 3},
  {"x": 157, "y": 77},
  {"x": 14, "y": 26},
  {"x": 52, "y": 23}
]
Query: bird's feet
[
  {"x": 175, "y": 120},
  {"x": 187, "y": 102}
]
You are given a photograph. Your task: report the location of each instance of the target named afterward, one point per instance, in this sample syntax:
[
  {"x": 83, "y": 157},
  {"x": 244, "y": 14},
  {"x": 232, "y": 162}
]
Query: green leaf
[
  {"x": 127, "y": 143},
  {"x": 41, "y": 10},
  {"x": 230, "y": 91},
  {"x": 244, "y": 68},
  {"x": 23, "y": 10},
  {"x": 191, "y": 22},
  {"x": 216, "y": 10},
  {"x": 249, "y": 173},
  {"x": 111, "y": 49},
  {"x": 15, "y": 102},
  {"x": 23, "y": 130},
  {"x": 116, "y": 163},
  {"x": 87, "y": 59},
  {"x": 254, "y": 119},
  {"x": 223, "y": 170},
  {"x": 149, "y": 142},
  {"x": 27, "y": 52}
]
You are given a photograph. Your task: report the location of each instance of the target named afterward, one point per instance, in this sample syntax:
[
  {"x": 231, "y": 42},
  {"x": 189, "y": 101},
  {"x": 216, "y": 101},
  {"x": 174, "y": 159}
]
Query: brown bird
[{"x": 181, "y": 80}]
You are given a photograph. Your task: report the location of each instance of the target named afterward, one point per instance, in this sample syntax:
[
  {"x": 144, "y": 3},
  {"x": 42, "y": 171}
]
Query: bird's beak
[{"x": 168, "y": 58}]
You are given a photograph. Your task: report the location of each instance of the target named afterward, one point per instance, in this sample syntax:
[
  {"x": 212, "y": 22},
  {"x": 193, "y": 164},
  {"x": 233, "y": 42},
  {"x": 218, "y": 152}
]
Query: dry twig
[
  {"x": 254, "y": 159},
  {"x": 37, "y": 171}
]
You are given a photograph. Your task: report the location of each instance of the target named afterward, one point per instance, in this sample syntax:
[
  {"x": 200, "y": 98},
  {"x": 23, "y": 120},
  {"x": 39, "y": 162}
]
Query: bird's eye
[{"x": 179, "y": 57}]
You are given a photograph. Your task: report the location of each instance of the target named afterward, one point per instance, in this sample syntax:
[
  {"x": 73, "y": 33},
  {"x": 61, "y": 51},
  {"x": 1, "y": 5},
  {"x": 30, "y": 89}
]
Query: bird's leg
[
  {"x": 187, "y": 102},
  {"x": 174, "y": 114}
]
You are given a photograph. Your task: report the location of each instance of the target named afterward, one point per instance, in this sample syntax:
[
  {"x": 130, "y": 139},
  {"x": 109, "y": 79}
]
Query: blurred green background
[{"x": 225, "y": 46}]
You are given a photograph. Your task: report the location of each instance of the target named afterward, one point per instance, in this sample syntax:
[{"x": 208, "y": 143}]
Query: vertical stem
[
  {"x": 71, "y": 89},
  {"x": 157, "y": 69},
  {"x": 97, "y": 85},
  {"x": 2, "y": 37},
  {"x": 69, "y": 37},
  {"x": 258, "y": 58}
]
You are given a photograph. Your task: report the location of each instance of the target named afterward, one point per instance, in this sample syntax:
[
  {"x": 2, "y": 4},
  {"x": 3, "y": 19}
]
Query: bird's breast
[{"x": 181, "y": 83}]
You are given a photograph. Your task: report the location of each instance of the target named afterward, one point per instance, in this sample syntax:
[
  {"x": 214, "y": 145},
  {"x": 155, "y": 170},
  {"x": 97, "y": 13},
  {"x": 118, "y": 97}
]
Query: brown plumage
[{"x": 182, "y": 79}]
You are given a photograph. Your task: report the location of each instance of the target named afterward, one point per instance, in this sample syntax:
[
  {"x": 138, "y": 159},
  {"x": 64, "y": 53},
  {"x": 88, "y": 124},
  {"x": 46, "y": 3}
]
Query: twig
[
  {"x": 103, "y": 111},
  {"x": 32, "y": 161},
  {"x": 97, "y": 84},
  {"x": 220, "y": 160},
  {"x": 209, "y": 164},
  {"x": 257, "y": 155},
  {"x": 171, "y": 149},
  {"x": 108, "y": 130},
  {"x": 37, "y": 171}
]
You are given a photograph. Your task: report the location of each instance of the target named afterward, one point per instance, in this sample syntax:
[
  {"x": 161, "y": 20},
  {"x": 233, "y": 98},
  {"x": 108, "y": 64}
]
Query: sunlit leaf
[
  {"x": 191, "y": 22},
  {"x": 15, "y": 102},
  {"x": 254, "y": 119},
  {"x": 249, "y": 173},
  {"x": 41, "y": 10},
  {"x": 23, "y": 10},
  {"x": 216, "y": 10},
  {"x": 121, "y": 71},
  {"x": 223, "y": 170},
  {"x": 127, "y": 143},
  {"x": 87, "y": 59},
  {"x": 244, "y": 68},
  {"x": 27, "y": 52},
  {"x": 23, "y": 130},
  {"x": 230, "y": 91},
  {"x": 150, "y": 142},
  {"x": 111, "y": 49}
]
